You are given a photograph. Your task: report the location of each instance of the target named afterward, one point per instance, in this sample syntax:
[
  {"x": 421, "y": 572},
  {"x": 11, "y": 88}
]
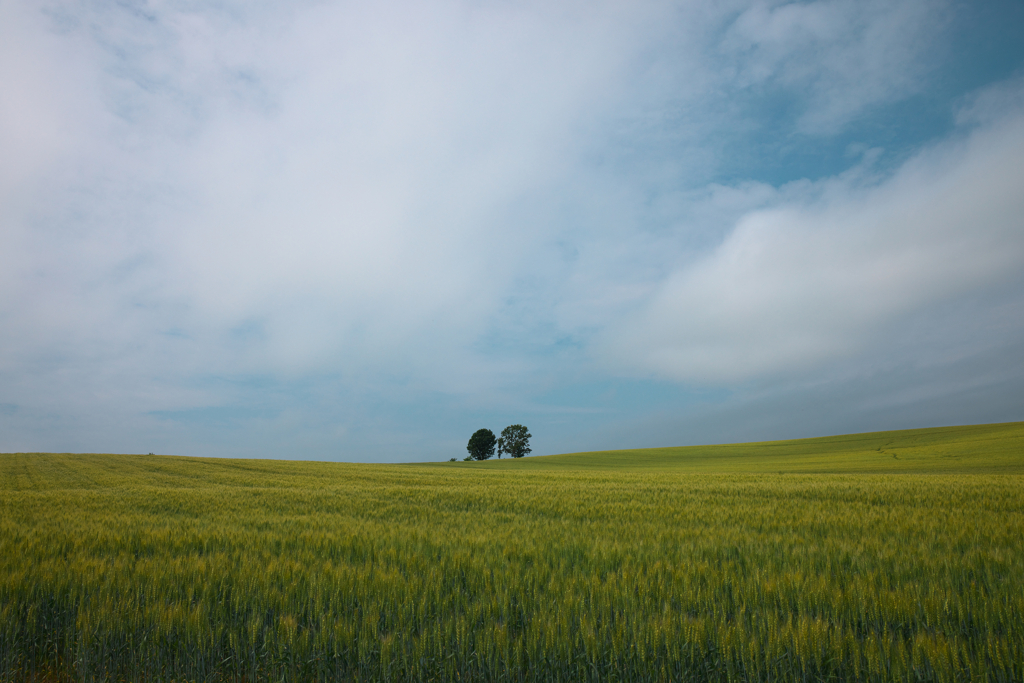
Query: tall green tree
[
  {"x": 515, "y": 440},
  {"x": 481, "y": 444}
]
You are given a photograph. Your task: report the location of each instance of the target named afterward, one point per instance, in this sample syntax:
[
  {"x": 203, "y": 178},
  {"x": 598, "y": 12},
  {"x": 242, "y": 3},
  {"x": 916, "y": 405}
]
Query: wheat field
[{"x": 895, "y": 556}]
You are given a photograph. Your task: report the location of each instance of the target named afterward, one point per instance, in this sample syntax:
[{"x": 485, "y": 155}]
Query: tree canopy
[
  {"x": 481, "y": 444},
  {"x": 515, "y": 440}
]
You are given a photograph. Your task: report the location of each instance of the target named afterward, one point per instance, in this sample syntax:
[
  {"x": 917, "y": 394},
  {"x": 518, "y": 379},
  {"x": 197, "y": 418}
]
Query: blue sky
[{"x": 360, "y": 232}]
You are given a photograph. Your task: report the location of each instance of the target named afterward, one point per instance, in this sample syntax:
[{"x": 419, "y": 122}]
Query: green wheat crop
[{"x": 664, "y": 565}]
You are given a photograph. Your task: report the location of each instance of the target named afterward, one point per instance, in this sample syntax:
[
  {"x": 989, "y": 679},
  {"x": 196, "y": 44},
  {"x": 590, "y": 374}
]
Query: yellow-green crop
[{"x": 892, "y": 556}]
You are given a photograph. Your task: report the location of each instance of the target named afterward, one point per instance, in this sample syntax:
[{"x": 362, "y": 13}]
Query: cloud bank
[{"x": 835, "y": 267}]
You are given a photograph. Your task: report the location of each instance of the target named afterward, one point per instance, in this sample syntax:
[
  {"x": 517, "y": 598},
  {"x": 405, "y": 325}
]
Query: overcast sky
[{"x": 361, "y": 231}]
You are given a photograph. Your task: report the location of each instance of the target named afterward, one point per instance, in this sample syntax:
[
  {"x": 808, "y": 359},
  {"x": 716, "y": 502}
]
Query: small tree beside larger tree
[
  {"x": 515, "y": 440},
  {"x": 481, "y": 444}
]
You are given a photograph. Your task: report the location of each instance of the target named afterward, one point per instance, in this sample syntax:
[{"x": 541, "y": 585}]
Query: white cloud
[
  {"x": 47, "y": 104},
  {"x": 361, "y": 217},
  {"x": 833, "y": 273},
  {"x": 320, "y": 189},
  {"x": 840, "y": 57}
]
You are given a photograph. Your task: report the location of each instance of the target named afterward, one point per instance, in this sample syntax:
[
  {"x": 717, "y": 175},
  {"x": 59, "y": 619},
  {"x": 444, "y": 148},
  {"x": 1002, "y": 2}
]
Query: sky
[{"x": 362, "y": 231}]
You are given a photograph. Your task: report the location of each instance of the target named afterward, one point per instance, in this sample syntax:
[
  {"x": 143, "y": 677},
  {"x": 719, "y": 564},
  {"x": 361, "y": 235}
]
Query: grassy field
[
  {"x": 889, "y": 556},
  {"x": 975, "y": 449}
]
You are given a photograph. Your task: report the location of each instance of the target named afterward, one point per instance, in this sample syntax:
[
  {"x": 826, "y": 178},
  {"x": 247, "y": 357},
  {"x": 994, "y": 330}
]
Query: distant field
[
  {"x": 876, "y": 557},
  {"x": 975, "y": 449}
]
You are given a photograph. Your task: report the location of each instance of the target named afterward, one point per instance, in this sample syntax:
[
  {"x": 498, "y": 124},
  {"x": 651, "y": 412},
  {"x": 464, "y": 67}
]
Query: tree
[
  {"x": 515, "y": 440},
  {"x": 481, "y": 444}
]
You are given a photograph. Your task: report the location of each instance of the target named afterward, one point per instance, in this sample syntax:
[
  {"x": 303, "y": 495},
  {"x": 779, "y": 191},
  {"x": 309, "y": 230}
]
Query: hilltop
[{"x": 972, "y": 449}]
